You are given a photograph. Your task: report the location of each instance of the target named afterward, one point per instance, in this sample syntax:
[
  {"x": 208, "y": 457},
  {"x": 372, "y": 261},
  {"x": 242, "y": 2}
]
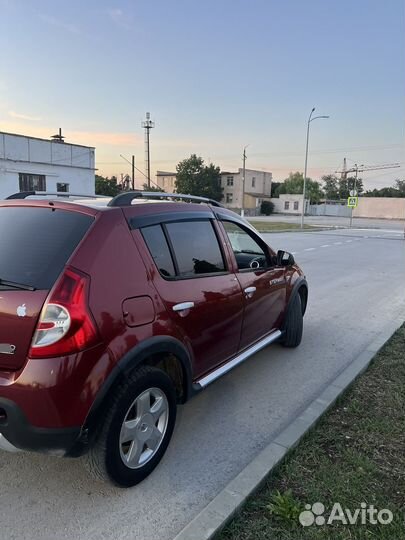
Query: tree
[
  {"x": 331, "y": 186},
  {"x": 274, "y": 188},
  {"x": 267, "y": 208},
  {"x": 106, "y": 186},
  {"x": 347, "y": 184},
  {"x": 152, "y": 188},
  {"x": 400, "y": 186},
  {"x": 397, "y": 191},
  {"x": 294, "y": 184},
  {"x": 195, "y": 178}
]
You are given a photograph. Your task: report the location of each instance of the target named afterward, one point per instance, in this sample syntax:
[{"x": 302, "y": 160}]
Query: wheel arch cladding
[
  {"x": 163, "y": 352},
  {"x": 300, "y": 287},
  {"x": 303, "y": 292}
]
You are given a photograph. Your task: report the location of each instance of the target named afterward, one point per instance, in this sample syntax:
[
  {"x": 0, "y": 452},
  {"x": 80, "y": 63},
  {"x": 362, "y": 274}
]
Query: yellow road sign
[{"x": 352, "y": 202}]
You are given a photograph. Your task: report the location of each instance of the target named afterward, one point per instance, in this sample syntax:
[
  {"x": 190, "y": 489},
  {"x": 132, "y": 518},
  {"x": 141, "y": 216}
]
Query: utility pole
[
  {"x": 242, "y": 213},
  {"x": 133, "y": 173},
  {"x": 147, "y": 125},
  {"x": 354, "y": 192}
]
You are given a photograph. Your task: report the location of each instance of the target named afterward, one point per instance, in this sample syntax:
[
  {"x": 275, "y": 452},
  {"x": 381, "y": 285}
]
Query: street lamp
[
  {"x": 243, "y": 181},
  {"x": 310, "y": 119}
]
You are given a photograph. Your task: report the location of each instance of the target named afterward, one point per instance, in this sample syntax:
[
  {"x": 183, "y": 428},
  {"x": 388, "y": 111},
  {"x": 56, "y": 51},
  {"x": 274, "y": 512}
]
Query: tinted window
[
  {"x": 195, "y": 247},
  {"x": 156, "y": 242},
  {"x": 35, "y": 243}
]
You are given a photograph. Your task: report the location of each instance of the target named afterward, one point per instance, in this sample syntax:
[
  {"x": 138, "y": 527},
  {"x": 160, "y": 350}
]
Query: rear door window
[
  {"x": 36, "y": 242},
  {"x": 196, "y": 248},
  {"x": 157, "y": 245}
]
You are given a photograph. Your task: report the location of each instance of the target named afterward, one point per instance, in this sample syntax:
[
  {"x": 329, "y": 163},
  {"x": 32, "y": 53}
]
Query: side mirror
[{"x": 284, "y": 258}]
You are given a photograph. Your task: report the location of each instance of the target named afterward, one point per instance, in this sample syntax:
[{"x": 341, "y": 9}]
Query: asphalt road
[{"x": 356, "y": 284}]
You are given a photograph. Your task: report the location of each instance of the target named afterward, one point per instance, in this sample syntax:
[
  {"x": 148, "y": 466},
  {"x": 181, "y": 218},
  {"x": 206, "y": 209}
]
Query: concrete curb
[{"x": 226, "y": 504}]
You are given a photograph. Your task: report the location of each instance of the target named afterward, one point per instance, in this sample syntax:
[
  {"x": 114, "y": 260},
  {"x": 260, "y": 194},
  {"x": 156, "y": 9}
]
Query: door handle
[
  {"x": 249, "y": 292},
  {"x": 183, "y": 306}
]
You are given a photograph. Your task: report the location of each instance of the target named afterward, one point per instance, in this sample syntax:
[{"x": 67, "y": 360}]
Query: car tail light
[{"x": 65, "y": 325}]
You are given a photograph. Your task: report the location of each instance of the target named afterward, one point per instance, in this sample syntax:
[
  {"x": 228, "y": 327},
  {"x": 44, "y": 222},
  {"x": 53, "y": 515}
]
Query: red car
[{"x": 113, "y": 311}]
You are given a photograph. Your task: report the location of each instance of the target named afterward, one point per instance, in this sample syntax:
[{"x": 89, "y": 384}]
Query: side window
[
  {"x": 248, "y": 253},
  {"x": 196, "y": 248},
  {"x": 157, "y": 244}
]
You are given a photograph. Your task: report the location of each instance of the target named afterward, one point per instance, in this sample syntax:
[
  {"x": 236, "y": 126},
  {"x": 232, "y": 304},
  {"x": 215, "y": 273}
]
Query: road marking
[
  {"x": 325, "y": 245},
  {"x": 309, "y": 249},
  {"x": 338, "y": 243},
  {"x": 348, "y": 241}
]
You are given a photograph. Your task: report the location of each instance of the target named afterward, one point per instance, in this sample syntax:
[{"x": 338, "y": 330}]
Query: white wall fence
[{"x": 336, "y": 210}]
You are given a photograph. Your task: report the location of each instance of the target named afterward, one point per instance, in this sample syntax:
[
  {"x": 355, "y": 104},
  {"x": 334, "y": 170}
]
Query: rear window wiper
[{"x": 16, "y": 285}]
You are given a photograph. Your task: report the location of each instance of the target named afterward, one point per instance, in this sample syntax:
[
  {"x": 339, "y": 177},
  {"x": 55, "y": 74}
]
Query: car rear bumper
[{"x": 16, "y": 433}]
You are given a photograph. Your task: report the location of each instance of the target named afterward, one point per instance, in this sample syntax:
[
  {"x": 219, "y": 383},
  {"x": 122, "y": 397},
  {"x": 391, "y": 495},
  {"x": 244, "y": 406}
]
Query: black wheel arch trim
[
  {"x": 132, "y": 359},
  {"x": 301, "y": 281}
]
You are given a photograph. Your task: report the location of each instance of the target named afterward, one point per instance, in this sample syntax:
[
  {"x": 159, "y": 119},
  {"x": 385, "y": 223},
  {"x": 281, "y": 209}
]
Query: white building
[
  {"x": 166, "y": 181},
  {"x": 289, "y": 204},
  {"x": 257, "y": 189},
  {"x": 32, "y": 164}
]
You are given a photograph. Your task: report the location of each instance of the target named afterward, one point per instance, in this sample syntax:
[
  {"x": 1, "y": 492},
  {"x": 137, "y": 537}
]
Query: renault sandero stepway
[{"x": 114, "y": 311}]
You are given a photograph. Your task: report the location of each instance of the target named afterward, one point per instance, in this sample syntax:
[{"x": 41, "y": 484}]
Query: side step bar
[{"x": 211, "y": 377}]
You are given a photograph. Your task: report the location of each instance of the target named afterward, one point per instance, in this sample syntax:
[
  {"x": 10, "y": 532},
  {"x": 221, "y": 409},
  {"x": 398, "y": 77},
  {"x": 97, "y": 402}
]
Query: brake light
[{"x": 66, "y": 324}]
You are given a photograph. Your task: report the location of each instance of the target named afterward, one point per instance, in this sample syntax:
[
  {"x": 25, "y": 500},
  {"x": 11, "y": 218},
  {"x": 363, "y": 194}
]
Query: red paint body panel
[{"x": 15, "y": 329}]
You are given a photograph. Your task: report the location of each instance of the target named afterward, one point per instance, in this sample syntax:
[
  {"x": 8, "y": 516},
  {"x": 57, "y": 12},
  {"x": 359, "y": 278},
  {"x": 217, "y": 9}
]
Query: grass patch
[
  {"x": 355, "y": 454},
  {"x": 269, "y": 226}
]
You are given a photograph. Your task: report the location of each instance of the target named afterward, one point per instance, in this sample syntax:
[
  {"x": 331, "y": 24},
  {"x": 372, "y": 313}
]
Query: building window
[
  {"x": 253, "y": 181},
  {"x": 229, "y": 180},
  {"x": 286, "y": 205},
  {"x": 32, "y": 182},
  {"x": 229, "y": 197},
  {"x": 296, "y": 205},
  {"x": 62, "y": 187}
]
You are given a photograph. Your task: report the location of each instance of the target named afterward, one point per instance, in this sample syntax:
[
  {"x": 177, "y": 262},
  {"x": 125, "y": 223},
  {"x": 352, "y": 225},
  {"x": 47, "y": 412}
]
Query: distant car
[{"x": 114, "y": 311}]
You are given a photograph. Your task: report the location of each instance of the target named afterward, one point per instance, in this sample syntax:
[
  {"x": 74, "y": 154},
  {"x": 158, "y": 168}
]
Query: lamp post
[
  {"x": 243, "y": 181},
  {"x": 310, "y": 119}
]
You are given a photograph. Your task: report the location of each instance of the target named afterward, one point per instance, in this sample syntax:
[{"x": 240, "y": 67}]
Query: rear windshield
[{"x": 35, "y": 243}]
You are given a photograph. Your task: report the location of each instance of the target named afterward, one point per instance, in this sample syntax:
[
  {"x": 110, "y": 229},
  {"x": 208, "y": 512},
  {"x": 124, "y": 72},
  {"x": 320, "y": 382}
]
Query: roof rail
[
  {"x": 24, "y": 194},
  {"x": 125, "y": 198}
]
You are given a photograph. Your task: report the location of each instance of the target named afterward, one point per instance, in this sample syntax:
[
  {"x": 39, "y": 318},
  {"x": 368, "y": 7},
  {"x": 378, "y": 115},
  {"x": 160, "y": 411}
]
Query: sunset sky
[{"x": 216, "y": 75}]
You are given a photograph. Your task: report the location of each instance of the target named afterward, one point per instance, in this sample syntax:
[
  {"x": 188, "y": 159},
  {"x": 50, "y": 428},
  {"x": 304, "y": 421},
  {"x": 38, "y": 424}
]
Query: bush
[{"x": 267, "y": 208}]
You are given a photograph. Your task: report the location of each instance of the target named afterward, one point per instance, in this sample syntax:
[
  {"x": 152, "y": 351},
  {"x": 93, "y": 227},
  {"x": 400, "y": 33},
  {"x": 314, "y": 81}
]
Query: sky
[{"x": 216, "y": 75}]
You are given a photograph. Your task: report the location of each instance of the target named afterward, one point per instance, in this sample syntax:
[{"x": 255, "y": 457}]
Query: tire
[
  {"x": 293, "y": 326},
  {"x": 146, "y": 404}
]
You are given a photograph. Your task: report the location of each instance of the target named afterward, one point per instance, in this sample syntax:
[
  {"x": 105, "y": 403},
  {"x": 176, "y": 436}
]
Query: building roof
[
  {"x": 46, "y": 140},
  {"x": 165, "y": 173}
]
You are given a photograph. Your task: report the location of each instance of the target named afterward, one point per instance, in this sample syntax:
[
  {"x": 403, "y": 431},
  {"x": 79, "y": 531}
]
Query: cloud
[
  {"x": 72, "y": 28},
  {"x": 107, "y": 138},
  {"x": 87, "y": 138},
  {"x": 118, "y": 17},
  {"x": 23, "y": 116}
]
